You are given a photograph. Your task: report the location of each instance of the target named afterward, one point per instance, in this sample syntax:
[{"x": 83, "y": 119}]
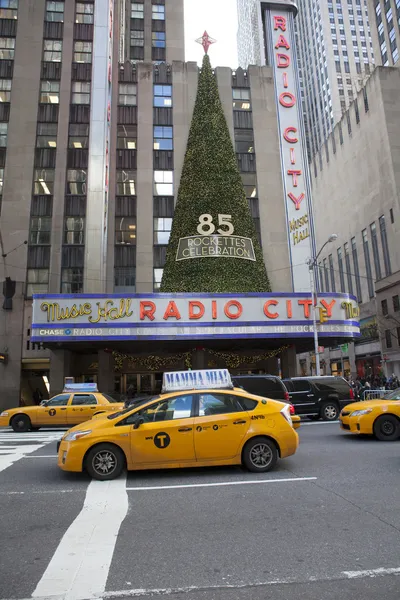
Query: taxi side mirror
[{"x": 139, "y": 421}]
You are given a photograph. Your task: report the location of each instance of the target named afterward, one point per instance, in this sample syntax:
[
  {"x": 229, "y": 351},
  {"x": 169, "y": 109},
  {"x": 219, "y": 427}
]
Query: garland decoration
[
  {"x": 233, "y": 360},
  {"x": 152, "y": 362}
]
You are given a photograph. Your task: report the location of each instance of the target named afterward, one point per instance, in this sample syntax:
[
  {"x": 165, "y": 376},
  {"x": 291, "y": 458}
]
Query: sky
[{"x": 219, "y": 18}]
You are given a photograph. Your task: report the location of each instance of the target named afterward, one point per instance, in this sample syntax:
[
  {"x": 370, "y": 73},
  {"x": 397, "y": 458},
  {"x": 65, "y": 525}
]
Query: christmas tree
[{"x": 211, "y": 185}]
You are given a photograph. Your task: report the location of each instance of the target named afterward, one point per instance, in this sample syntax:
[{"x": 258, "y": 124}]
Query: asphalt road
[{"x": 324, "y": 525}]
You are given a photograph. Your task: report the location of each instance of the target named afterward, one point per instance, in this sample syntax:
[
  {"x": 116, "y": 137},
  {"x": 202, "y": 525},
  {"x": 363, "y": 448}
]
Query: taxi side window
[
  {"x": 218, "y": 404},
  {"x": 61, "y": 400},
  {"x": 79, "y": 399},
  {"x": 246, "y": 403},
  {"x": 165, "y": 410}
]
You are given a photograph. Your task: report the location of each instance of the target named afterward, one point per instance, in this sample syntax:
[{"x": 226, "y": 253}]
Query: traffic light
[
  {"x": 323, "y": 315},
  {"x": 8, "y": 293}
]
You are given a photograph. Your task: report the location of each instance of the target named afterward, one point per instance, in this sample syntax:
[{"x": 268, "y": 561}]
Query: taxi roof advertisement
[{"x": 101, "y": 317}]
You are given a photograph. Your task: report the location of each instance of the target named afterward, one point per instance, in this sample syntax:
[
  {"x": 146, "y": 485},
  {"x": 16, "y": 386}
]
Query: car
[
  {"x": 380, "y": 418},
  {"x": 319, "y": 397},
  {"x": 269, "y": 386},
  {"x": 76, "y": 404},
  {"x": 199, "y": 420}
]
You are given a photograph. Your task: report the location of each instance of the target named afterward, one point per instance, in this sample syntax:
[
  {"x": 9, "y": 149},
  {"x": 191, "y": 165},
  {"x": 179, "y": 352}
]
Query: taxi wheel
[
  {"x": 104, "y": 462},
  {"x": 21, "y": 423},
  {"x": 387, "y": 428},
  {"x": 260, "y": 455},
  {"x": 329, "y": 411}
]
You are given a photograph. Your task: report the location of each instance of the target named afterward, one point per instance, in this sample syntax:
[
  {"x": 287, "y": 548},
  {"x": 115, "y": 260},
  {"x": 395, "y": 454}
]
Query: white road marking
[
  {"x": 43, "y": 456},
  {"x": 80, "y": 565},
  {"x": 14, "y": 446},
  {"x": 372, "y": 573},
  {"x": 320, "y": 423},
  {"x": 7, "y": 460},
  {"x": 218, "y": 484}
]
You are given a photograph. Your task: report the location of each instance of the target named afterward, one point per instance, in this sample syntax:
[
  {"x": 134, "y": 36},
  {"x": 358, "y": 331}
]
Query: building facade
[{"x": 385, "y": 30}]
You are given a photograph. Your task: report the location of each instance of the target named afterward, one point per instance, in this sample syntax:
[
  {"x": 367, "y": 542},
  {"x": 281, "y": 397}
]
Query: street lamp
[{"x": 312, "y": 263}]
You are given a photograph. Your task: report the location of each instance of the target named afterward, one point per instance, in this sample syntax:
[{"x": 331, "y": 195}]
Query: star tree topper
[{"x": 205, "y": 40}]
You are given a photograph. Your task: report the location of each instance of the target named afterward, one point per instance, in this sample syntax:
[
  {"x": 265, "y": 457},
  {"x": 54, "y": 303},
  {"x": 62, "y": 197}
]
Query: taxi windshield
[
  {"x": 393, "y": 395},
  {"x": 131, "y": 407}
]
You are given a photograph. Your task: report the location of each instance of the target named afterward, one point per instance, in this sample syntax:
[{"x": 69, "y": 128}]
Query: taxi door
[
  {"x": 54, "y": 412},
  {"x": 166, "y": 435},
  {"x": 220, "y": 425},
  {"x": 81, "y": 408}
]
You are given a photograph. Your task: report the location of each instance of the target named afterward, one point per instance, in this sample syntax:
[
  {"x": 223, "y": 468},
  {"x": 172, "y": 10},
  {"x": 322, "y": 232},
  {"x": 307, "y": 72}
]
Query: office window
[
  {"x": 396, "y": 303},
  {"x": 162, "y": 230},
  {"x": 388, "y": 338},
  {"x": 8, "y": 9},
  {"x": 391, "y": 210},
  {"x": 74, "y": 230},
  {"x": 384, "y": 307},
  {"x": 46, "y": 135},
  {"x": 163, "y": 138},
  {"x": 137, "y": 38},
  {"x": 127, "y": 94},
  {"x": 3, "y": 134},
  {"x": 43, "y": 181},
  {"x": 356, "y": 268},
  {"x": 126, "y": 183},
  {"x": 368, "y": 268},
  {"x": 163, "y": 95},
  {"x": 125, "y": 230},
  {"x": 72, "y": 281},
  {"x": 341, "y": 273},
  {"x": 49, "y": 92},
  {"x": 54, "y": 11},
  {"x": 84, "y": 12},
  {"x": 127, "y": 137},
  {"x": 157, "y": 278},
  {"x": 163, "y": 183},
  {"x": 244, "y": 141},
  {"x": 241, "y": 99},
  {"x": 385, "y": 246},
  {"x": 326, "y": 274},
  {"x": 158, "y": 39},
  {"x": 137, "y": 10},
  {"x": 82, "y": 52},
  {"x": 158, "y": 12},
  {"x": 52, "y": 50},
  {"x": 375, "y": 251},
  {"x": 76, "y": 181},
  {"x": 5, "y": 90},
  {"x": 332, "y": 273},
  {"x": 37, "y": 281},
  {"x": 80, "y": 92},
  {"x": 250, "y": 184},
  {"x": 7, "y": 48},
  {"x": 78, "y": 136},
  {"x": 124, "y": 279},
  {"x": 348, "y": 268},
  {"x": 40, "y": 230}
]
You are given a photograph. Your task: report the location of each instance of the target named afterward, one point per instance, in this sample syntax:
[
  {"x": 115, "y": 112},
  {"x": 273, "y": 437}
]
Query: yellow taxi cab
[
  {"x": 199, "y": 419},
  {"x": 76, "y": 404},
  {"x": 380, "y": 418}
]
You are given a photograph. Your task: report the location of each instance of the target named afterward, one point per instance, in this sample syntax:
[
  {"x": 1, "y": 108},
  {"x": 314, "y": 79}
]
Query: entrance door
[
  {"x": 55, "y": 411},
  {"x": 81, "y": 408},
  {"x": 220, "y": 426},
  {"x": 166, "y": 436}
]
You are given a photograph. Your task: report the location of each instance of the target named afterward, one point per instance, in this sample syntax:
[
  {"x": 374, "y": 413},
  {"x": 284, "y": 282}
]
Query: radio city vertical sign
[{"x": 280, "y": 36}]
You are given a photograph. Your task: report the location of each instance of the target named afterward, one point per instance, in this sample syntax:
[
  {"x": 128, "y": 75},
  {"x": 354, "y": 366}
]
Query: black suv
[
  {"x": 319, "y": 397},
  {"x": 268, "y": 386}
]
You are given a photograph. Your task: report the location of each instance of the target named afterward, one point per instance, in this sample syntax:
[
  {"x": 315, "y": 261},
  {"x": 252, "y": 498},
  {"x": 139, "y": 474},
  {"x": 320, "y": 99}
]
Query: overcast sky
[{"x": 219, "y": 18}]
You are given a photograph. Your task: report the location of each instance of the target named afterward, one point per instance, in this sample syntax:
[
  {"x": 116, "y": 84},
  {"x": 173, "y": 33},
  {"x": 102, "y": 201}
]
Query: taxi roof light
[
  {"x": 80, "y": 387},
  {"x": 176, "y": 381}
]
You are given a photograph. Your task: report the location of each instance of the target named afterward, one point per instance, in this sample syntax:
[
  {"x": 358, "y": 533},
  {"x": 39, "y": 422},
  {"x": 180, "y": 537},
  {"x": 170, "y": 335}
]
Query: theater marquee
[{"x": 76, "y": 318}]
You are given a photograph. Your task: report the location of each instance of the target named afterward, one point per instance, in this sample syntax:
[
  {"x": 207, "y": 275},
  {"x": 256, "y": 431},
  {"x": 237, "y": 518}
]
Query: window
[
  {"x": 5, "y": 90},
  {"x": 157, "y": 278},
  {"x": 82, "y": 399},
  {"x": 241, "y": 99},
  {"x": 163, "y": 138},
  {"x": 375, "y": 251},
  {"x": 396, "y": 303},
  {"x": 3, "y": 134},
  {"x": 37, "y": 281},
  {"x": 250, "y": 184},
  {"x": 217, "y": 404},
  {"x": 126, "y": 183},
  {"x": 163, "y": 183},
  {"x": 127, "y": 94},
  {"x": 385, "y": 246},
  {"x": 76, "y": 181},
  {"x": 368, "y": 264},
  {"x": 125, "y": 230},
  {"x": 124, "y": 279},
  {"x": 40, "y": 231},
  {"x": 52, "y": 50},
  {"x": 8, "y": 9},
  {"x": 137, "y": 10},
  {"x": 72, "y": 281},
  {"x": 74, "y": 230},
  {"x": 46, "y": 135},
  {"x": 163, "y": 95},
  {"x": 384, "y": 306},
  {"x": 61, "y": 400},
  {"x": 127, "y": 137},
  {"x": 391, "y": 215},
  {"x": 300, "y": 385},
  {"x": 348, "y": 267},
  {"x": 83, "y": 52},
  {"x": 158, "y": 12},
  {"x": 43, "y": 181},
  {"x": 168, "y": 410},
  {"x": 158, "y": 39},
  {"x": 356, "y": 268},
  {"x": 341, "y": 274},
  {"x": 388, "y": 338},
  {"x": 80, "y": 92},
  {"x": 7, "y": 48},
  {"x": 244, "y": 141},
  {"x": 49, "y": 92},
  {"x": 332, "y": 272},
  {"x": 55, "y": 11},
  {"x": 162, "y": 230},
  {"x": 326, "y": 273},
  {"x": 137, "y": 38},
  {"x": 78, "y": 136},
  {"x": 84, "y": 12}
]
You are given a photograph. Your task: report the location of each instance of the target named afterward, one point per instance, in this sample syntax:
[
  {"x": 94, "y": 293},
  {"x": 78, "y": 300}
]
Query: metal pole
[{"x": 314, "y": 315}]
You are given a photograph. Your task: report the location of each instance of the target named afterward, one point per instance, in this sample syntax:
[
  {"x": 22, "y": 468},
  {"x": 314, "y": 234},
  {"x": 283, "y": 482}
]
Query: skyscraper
[{"x": 385, "y": 25}]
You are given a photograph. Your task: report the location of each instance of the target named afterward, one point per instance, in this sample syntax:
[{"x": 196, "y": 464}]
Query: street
[{"x": 324, "y": 525}]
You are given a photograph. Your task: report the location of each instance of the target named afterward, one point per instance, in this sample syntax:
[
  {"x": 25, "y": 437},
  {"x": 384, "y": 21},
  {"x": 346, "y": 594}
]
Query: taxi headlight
[
  {"x": 4, "y": 414},
  {"x": 75, "y": 435},
  {"x": 358, "y": 413}
]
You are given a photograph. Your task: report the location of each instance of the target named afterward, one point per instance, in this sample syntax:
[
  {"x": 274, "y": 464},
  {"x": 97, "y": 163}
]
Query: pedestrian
[{"x": 37, "y": 396}]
